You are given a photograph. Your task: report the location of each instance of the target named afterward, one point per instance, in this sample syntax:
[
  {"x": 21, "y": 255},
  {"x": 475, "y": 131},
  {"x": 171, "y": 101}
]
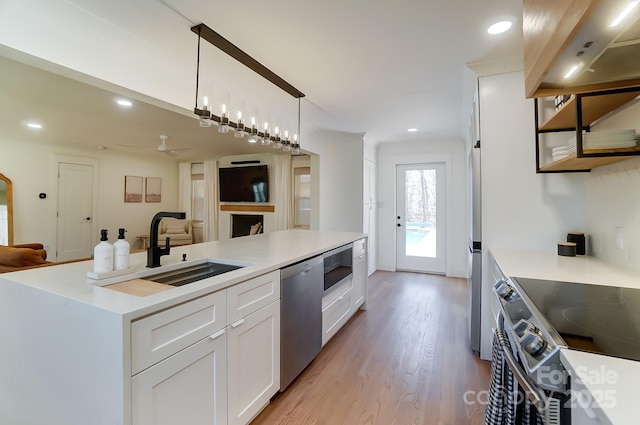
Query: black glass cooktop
[{"x": 595, "y": 318}]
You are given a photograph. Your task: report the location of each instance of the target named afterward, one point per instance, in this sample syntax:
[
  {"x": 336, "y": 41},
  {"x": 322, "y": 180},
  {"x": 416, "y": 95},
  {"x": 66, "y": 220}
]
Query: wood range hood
[{"x": 606, "y": 57}]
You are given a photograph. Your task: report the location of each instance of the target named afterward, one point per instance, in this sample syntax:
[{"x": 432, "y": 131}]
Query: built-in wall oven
[{"x": 338, "y": 266}]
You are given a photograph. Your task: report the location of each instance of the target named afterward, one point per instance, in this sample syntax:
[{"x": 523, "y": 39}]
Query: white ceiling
[{"x": 365, "y": 66}]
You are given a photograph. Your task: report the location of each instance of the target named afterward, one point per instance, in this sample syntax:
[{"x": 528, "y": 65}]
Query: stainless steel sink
[{"x": 192, "y": 273}]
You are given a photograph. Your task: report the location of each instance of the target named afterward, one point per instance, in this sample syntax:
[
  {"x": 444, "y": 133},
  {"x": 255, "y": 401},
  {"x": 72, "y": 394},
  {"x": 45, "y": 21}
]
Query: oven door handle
[{"x": 537, "y": 399}]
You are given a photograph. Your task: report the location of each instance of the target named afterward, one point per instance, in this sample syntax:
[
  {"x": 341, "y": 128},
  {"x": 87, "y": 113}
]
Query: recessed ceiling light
[
  {"x": 35, "y": 125},
  {"x": 499, "y": 27},
  {"x": 101, "y": 147},
  {"x": 412, "y": 130},
  {"x": 124, "y": 102}
]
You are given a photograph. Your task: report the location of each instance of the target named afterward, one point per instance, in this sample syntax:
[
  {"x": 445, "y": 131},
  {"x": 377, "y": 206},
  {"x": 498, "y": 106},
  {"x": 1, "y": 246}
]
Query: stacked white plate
[
  {"x": 561, "y": 152},
  {"x": 610, "y": 139}
]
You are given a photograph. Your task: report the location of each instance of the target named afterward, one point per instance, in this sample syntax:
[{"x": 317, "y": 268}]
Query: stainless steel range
[
  {"x": 593, "y": 318},
  {"x": 538, "y": 344},
  {"x": 542, "y": 317},
  {"x": 532, "y": 357}
]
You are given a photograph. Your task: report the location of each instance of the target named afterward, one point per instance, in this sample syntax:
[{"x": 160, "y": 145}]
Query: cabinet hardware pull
[
  {"x": 217, "y": 334},
  {"x": 238, "y": 323}
]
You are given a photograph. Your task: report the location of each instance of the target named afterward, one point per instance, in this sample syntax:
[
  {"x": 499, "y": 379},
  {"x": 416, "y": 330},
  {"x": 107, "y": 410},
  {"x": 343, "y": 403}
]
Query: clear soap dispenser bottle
[
  {"x": 103, "y": 254},
  {"x": 121, "y": 251}
]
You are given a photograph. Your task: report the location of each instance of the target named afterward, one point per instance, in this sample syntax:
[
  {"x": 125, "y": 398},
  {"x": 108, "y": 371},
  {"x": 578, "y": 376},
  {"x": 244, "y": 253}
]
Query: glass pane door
[{"x": 421, "y": 217}]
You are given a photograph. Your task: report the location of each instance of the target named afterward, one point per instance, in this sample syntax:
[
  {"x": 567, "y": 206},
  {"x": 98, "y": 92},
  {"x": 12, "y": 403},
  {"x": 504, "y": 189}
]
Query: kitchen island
[
  {"x": 602, "y": 386},
  {"x": 75, "y": 351}
]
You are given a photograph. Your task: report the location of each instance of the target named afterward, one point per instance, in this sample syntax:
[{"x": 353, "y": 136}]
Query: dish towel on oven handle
[{"x": 504, "y": 391}]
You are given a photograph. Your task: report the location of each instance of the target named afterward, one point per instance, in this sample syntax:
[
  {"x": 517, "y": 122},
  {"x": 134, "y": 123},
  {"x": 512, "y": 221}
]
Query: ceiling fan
[{"x": 162, "y": 147}]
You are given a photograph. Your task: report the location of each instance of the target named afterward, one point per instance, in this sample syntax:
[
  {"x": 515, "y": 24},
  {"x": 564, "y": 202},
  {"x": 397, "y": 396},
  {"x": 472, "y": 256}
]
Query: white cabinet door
[
  {"x": 369, "y": 228},
  {"x": 368, "y": 182},
  {"x": 253, "y": 363},
  {"x": 188, "y": 387},
  {"x": 359, "y": 281}
]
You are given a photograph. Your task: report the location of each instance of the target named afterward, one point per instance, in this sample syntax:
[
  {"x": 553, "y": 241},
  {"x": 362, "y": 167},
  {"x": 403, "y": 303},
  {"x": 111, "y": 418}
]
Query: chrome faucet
[{"x": 154, "y": 252}]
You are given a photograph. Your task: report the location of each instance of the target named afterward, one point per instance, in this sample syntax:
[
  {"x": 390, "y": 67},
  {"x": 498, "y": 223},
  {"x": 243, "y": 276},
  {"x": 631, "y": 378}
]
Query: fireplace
[{"x": 241, "y": 224}]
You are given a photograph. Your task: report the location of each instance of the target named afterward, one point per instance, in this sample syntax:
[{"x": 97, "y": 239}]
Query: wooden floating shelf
[
  {"x": 593, "y": 108},
  {"x": 573, "y": 163},
  {"x": 248, "y": 208}
]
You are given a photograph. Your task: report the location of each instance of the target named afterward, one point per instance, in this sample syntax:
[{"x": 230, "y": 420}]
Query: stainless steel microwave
[{"x": 338, "y": 266}]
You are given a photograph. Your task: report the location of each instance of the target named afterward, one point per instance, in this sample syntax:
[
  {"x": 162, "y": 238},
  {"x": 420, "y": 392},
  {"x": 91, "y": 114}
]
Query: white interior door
[
  {"x": 421, "y": 217},
  {"x": 75, "y": 215}
]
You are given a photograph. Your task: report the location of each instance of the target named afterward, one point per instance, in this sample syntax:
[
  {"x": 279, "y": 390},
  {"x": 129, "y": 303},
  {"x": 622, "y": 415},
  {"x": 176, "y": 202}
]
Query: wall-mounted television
[{"x": 244, "y": 184}]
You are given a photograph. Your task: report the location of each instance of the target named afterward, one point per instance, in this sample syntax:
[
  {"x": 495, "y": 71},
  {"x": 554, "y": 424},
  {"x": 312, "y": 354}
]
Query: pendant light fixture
[{"x": 206, "y": 118}]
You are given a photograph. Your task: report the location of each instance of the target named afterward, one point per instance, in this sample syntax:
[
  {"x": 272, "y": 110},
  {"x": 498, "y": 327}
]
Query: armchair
[{"x": 179, "y": 231}]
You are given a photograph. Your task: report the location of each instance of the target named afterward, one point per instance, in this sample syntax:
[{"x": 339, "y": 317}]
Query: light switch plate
[{"x": 617, "y": 238}]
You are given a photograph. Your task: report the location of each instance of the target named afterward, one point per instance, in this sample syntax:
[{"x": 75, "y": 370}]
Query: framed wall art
[
  {"x": 153, "y": 189},
  {"x": 132, "y": 189}
]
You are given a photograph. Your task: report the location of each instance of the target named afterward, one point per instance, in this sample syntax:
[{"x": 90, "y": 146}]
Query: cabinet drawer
[
  {"x": 335, "y": 315},
  {"x": 156, "y": 337},
  {"x": 336, "y": 292},
  {"x": 359, "y": 248},
  {"x": 250, "y": 296}
]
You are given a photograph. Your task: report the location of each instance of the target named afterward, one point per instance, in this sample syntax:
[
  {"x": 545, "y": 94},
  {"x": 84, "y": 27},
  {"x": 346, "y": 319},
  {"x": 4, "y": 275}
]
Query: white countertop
[
  {"x": 549, "y": 266},
  {"x": 608, "y": 384},
  {"x": 263, "y": 253}
]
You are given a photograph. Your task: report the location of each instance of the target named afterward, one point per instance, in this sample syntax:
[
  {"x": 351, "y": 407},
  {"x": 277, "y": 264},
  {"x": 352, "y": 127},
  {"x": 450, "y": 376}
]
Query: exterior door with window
[{"x": 421, "y": 217}]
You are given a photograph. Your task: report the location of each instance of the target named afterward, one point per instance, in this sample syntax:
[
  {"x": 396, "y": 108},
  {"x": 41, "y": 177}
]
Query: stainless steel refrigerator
[{"x": 474, "y": 278}]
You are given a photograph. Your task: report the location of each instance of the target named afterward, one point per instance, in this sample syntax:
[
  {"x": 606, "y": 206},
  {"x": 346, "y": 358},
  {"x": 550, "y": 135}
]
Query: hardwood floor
[{"x": 404, "y": 361}]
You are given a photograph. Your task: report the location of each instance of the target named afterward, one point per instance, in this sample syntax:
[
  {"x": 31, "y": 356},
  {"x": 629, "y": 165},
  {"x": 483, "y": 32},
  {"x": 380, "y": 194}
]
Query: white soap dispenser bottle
[
  {"x": 103, "y": 254},
  {"x": 121, "y": 250}
]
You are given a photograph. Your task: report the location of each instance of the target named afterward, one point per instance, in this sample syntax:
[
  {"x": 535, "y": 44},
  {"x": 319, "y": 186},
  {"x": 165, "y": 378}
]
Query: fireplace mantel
[{"x": 248, "y": 208}]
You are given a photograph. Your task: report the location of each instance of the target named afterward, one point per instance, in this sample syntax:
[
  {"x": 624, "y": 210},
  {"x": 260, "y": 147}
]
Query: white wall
[
  {"x": 613, "y": 200},
  {"x": 391, "y": 154},
  {"x": 31, "y": 167},
  {"x": 143, "y": 46},
  {"x": 520, "y": 209},
  {"x": 339, "y": 173}
]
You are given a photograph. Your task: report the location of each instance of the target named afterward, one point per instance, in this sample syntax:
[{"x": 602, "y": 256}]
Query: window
[
  {"x": 302, "y": 197},
  {"x": 197, "y": 201}
]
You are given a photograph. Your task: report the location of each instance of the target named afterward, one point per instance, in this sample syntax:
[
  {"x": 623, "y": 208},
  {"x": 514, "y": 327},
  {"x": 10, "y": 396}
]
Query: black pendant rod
[
  {"x": 198, "y": 70},
  {"x": 299, "y": 135},
  {"x": 232, "y": 50}
]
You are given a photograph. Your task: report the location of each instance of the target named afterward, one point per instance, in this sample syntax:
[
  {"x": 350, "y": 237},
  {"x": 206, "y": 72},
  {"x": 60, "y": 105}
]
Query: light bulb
[
  {"x": 266, "y": 140},
  {"x": 224, "y": 120},
  {"x": 205, "y": 103}
]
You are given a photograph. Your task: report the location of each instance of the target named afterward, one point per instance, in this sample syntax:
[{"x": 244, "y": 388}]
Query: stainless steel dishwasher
[{"x": 300, "y": 317}]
